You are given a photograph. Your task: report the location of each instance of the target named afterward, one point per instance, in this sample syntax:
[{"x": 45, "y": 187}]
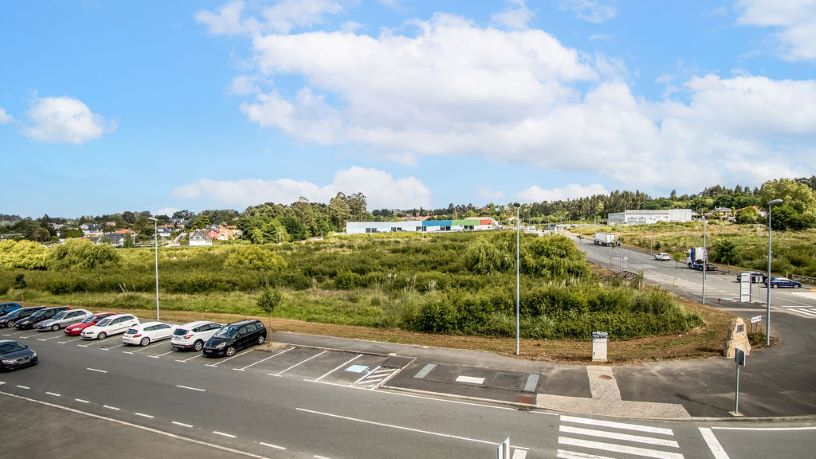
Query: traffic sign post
[
  {"x": 754, "y": 321},
  {"x": 739, "y": 359}
]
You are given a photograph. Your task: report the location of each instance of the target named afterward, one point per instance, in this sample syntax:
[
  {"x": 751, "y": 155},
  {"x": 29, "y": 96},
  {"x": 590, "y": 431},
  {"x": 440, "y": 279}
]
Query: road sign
[
  {"x": 745, "y": 287},
  {"x": 756, "y": 319},
  {"x": 739, "y": 357}
]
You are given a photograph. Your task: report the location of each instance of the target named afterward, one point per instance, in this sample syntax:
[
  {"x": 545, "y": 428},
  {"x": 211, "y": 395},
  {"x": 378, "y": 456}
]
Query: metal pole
[
  {"x": 736, "y": 397},
  {"x": 156, "y": 246},
  {"x": 705, "y": 255},
  {"x": 768, "y": 286},
  {"x": 518, "y": 285}
]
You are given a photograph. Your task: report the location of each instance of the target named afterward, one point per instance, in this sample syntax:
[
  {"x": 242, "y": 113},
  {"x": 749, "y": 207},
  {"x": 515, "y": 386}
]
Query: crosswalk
[
  {"x": 375, "y": 377},
  {"x": 804, "y": 311},
  {"x": 586, "y": 438}
]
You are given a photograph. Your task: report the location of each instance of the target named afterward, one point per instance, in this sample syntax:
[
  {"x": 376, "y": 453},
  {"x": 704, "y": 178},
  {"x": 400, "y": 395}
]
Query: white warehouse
[{"x": 647, "y": 217}]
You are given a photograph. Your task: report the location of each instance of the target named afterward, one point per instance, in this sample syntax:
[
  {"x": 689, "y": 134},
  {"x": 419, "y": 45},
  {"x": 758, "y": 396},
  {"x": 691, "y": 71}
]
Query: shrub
[
  {"x": 22, "y": 255},
  {"x": 82, "y": 254},
  {"x": 436, "y": 315},
  {"x": 254, "y": 258},
  {"x": 347, "y": 280}
]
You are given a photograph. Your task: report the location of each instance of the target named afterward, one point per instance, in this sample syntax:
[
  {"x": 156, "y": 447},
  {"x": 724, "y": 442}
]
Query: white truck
[{"x": 605, "y": 239}]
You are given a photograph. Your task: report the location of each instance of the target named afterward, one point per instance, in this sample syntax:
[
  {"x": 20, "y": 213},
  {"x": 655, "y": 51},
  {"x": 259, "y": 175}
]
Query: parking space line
[
  {"x": 271, "y": 445},
  {"x": 23, "y": 387},
  {"x": 228, "y": 358},
  {"x": 144, "y": 415},
  {"x": 113, "y": 347},
  {"x": 141, "y": 348},
  {"x": 367, "y": 375},
  {"x": 223, "y": 434},
  {"x": 110, "y": 407},
  {"x": 181, "y": 424},
  {"x": 49, "y": 339},
  {"x": 81, "y": 401},
  {"x": 96, "y": 370},
  {"x": 54, "y": 394},
  {"x": 713, "y": 444},
  {"x": 339, "y": 366},
  {"x": 263, "y": 360},
  {"x": 26, "y": 337},
  {"x": 70, "y": 340},
  {"x": 280, "y": 373},
  {"x": 191, "y": 358},
  {"x": 158, "y": 356},
  {"x": 191, "y": 388}
]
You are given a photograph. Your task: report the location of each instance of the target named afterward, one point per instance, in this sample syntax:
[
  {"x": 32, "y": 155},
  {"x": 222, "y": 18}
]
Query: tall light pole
[
  {"x": 156, "y": 247},
  {"x": 705, "y": 255},
  {"x": 771, "y": 203},
  {"x": 518, "y": 282}
]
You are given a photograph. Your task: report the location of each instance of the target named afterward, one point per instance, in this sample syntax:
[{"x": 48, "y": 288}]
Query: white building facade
[
  {"x": 429, "y": 226},
  {"x": 647, "y": 217}
]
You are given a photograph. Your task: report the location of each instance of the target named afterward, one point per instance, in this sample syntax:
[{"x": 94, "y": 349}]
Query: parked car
[
  {"x": 63, "y": 319},
  {"x": 113, "y": 325},
  {"x": 15, "y": 355},
  {"x": 662, "y": 256},
  {"x": 193, "y": 335},
  {"x": 76, "y": 329},
  {"x": 234, "y": 337},
  {"x": 6, "y": 308},
  {"x": 34, "y": 319},
  {"x": 10, "y": 319},
  {"x": 782, "y": 282},
  {"x": 756, "y": 277},
  {"x": 148, "y": 332}
]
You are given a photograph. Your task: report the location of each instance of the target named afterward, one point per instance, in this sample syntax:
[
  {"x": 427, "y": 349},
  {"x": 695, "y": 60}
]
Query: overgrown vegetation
[{"x": 460, "y": 284}]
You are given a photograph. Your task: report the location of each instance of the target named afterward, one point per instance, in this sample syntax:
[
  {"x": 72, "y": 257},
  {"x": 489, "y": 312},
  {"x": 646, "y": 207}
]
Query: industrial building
[
  {"x": 468, "y": 224},
  {"x": 647, "y": 217}
]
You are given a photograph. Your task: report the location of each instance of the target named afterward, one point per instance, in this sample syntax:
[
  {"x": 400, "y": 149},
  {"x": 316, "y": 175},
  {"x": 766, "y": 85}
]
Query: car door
[
  {"x": 162, "y": 331},
  {"x": 241, "y": 341},
  {"x": 73, "y": 317},
  {"x": 119, "y": 325}
]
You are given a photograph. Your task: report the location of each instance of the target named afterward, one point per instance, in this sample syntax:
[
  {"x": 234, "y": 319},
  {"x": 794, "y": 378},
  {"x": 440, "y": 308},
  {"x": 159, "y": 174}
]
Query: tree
[
  {"x": 747, "y": 215},
  {"x": 725, "y": 251},
  {"x": 268, "y": 301}
]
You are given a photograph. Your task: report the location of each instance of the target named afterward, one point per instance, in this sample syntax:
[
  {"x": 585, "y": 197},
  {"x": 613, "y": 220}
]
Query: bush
[
  {"x": 82, "y": 254},
  {"x": 22, "y": 255},
  {"x": 254, "y": 258},
  {"x": 347, "y": 280}
]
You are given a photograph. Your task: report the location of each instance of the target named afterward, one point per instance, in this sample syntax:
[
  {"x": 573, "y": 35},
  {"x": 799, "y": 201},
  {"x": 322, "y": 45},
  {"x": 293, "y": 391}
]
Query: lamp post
[
  {"x": 771, "y": 203},
  {"x": 705, "y": 255},
  {"x": 518, "y": 282},
  {"x": 156, "y": 247}
]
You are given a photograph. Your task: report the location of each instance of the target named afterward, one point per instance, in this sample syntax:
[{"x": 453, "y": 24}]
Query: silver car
[{"x": 64, "y": 319}]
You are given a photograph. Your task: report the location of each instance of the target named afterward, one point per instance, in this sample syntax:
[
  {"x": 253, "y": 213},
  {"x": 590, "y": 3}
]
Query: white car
[
  {"x": 193, "y": 335},
  {"x": 662, "y": 256},
  {"x": 148, "y": 332},
  {"x": 108, "y": 326}
]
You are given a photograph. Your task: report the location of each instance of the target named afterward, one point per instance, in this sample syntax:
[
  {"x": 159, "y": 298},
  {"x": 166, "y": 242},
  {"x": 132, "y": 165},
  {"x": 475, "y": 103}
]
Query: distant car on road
[
  {"x": 10, "y": 319},
  {"x": 193, "y": 335},
  {"x": 108, "y": 326},
  {"x": 662, "y": 256},
  {"x": 148, "y": 332},
  {"x": 6, "y": 308},
  {"x": 15, "y": 355},
  {"x": 34, "y": 319},
  {"x": 234, "y": 337},
  {"x": 76, "y": 329},
  {"x": 783, "y": 282},
  {"x": 63, "y": 319}
]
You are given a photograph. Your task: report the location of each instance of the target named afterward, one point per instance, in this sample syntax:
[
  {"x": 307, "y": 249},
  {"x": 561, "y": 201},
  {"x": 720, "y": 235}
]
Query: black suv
[
  {"x": 11, "y": 318},
  {"x": 43, "y": 314},
  {"x": 234, "y": 337}
]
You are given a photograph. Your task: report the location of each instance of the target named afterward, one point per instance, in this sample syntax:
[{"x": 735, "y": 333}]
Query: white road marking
[
  {"x": 144, "y": 415},
  {"x": 127, "y": 352},
  {"x": 392, "y": 426},
  {"x": 618, "y": 436},
  {"x": 70, "y": 340},
  {"x": 113, "y": 347},
  {"x": 223, "y": 434},
  {"x": 470, "y": 380},
  {"x": 228, "y": 358},
  {"x": 54, "y": 394},
  {"x": 617, "y": 425},
  {"x": 158, "y": 356},
  {"x": 764, "y": 429},
  {"x": 2, "y": 382},
  {"x": 320, "y": 457},
  {"x": 48, "y": 339},
  {"x": 519, "y": 454},
  {"x": 136, "y": 426},
  {"x": 573, "y": 455},
  {"x": 96, "y": 370},
  {"x": 372, "y": 372},
  {"x": 339, "y": 366},
  {"x": 181, "y": 424},
  {"x": 297, "y": 364},
  {"x": 618, "y": 448},
  {"x": 81, "y": 401},
  {"x": 23, "y": 387},
  {"x": 110, "y": 407},
  {"x": 188, "y": 359},
  {"x": 271, "y": 445},
  {"x": 82, "y": 345},
  {"x": 263, "y": 360},
  {"x": 713, "y": 444},
  {"x": 26, "y": 337},
  {"x": 191, "y": 388}
]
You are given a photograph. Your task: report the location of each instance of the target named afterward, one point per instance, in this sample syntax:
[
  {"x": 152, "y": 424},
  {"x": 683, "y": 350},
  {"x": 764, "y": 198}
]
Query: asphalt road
[{"x": 306, "y": 402}]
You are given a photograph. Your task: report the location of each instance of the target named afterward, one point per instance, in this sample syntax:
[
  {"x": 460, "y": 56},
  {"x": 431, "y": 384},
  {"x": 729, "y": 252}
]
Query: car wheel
[
  {"x": 145, "y": 341},
  {"x": 198, "y": 346},
  {"x": 54, "y": 327},
  {"x": 261, "y": 339},
  {"x": 230, "y": 351},
  {"x": 11, "y": 324},
  {"x": 102, "y": 335}
]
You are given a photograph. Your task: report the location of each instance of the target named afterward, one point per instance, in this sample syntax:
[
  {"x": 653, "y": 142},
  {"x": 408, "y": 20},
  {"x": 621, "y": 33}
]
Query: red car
[{"x": 76, "y": 329}]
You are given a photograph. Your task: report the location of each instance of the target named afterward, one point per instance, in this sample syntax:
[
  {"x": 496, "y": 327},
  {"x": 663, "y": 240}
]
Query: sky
[{"x": 108, "y": 106}]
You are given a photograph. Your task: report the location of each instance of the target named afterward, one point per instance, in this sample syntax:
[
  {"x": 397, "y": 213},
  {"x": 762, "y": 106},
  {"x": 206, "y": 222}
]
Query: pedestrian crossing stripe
[
  {"x": 375, "y": 377},
  {"x": 597, "y": 435},
  {"x": 807, "y": 312}
]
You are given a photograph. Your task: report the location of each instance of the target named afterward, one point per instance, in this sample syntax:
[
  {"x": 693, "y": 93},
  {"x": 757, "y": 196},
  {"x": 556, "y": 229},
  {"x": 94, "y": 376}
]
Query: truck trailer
[
  {"x": 697, "y": 258},
  {"x": 605, "y": 239}
]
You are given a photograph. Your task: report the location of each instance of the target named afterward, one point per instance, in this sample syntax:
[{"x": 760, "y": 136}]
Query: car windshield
[
  {"x": 132, "y": 331},
  {"x": 88, "y": 320},
  {"x": 5, "y": 348},
  {"x": 60, "y": 315},
  {"x": 226, "y": 332},
  {"x": 38, "y": 313},
  {"x": 103, "y": 322},
  {"x": 180, "y": 332}
]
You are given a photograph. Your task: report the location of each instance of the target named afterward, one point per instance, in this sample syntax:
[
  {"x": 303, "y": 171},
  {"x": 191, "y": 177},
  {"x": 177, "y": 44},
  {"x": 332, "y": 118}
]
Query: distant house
[
  {"x": 164, "y": 232},
  {"x": 116, "y": 240},
  {"x": 91, "y": 229},
  {"x": 212, "y": 234},
  {"x": 227, "y": 233},
  {"x": 199, "y": 238}
]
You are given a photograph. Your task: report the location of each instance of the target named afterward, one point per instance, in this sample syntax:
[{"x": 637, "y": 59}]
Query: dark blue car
[
  {"x": 783, "y": 282},
  {"x": 6, "y": 308},
  {"x": 15, "y": 355}
]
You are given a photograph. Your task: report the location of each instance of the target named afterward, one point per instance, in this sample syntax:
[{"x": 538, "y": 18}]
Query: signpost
[
  {"x": 739, "y": 359},
  {"x": 754, "y": 321},
  {"x": 745, "y": 287}
]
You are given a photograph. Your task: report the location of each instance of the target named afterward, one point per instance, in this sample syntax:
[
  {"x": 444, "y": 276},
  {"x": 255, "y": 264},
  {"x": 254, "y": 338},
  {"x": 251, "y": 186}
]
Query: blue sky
[{"x": 108, "y": 106}]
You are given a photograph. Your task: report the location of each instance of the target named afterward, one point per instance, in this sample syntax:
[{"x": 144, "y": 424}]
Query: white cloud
[
  {"x": 5, "y": 118},
  {"x": 236, "y": 18},
  {"x": 515, "y": 17},
  {"x": 169, "y": 211},
  {"x": 65, "y": 119},
  {"x": 571, "y": 191},
  {"x": 227, "y": 21},
  {"x": 596, "y": 11},
  {"x": 382, "y": 190},
  {"x": 793, "y": 20}
]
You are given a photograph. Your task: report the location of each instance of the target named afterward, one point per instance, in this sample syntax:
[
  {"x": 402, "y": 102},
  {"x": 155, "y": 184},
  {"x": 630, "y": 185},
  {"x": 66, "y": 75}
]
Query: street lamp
[
  {"x": 518, "y": 282},
  {"x": 156, "y": 246},
  {"x": 771, "y": 203},
  {"x": 705, "y": 255}
]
